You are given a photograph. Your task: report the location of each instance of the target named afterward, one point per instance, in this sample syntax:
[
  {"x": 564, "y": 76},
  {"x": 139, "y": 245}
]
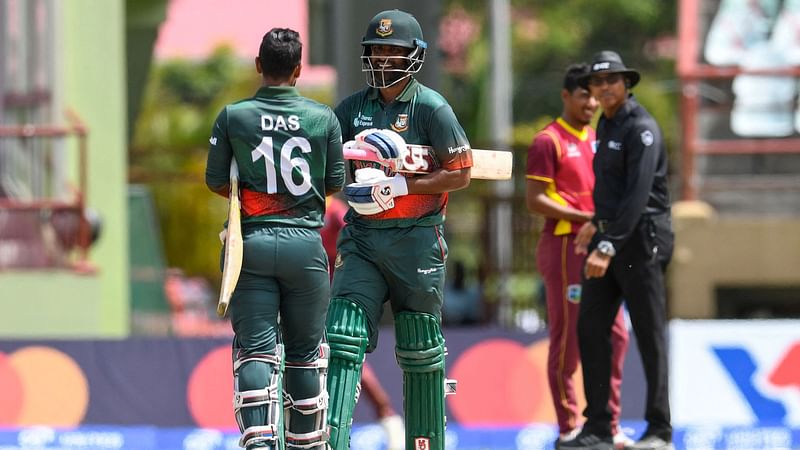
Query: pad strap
[
  {"x": 306, "y": 440},
  {"x": 257, "y": 434}
]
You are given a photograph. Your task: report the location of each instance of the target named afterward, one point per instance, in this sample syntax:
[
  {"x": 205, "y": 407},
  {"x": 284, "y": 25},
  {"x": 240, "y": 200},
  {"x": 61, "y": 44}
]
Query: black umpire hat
[{"x": 609, "y": 62}]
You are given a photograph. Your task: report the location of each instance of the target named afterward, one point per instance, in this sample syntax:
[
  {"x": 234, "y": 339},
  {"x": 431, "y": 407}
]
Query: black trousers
[{"x": 636, "y": 274}]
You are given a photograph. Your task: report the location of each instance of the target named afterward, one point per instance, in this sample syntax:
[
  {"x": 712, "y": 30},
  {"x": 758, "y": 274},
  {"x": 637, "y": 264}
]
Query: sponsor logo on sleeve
[
  {"x": 647, "y": 138},
  {"x": 459, "y": 149}
]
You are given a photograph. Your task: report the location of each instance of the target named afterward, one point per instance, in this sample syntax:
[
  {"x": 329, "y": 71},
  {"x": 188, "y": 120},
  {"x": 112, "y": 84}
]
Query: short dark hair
[
  {"x": 280, "y": 52},
  {"x": 574, "y": 73}
]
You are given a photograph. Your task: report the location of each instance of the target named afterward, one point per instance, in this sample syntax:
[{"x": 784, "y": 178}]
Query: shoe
[
  {"x": 587, "y": 441},
  {"x": 395, "y": 432},
  {"x": 621, "y": 440},
  {"x": 563, "y": 437},
  {"x": 650, "y": 443}
]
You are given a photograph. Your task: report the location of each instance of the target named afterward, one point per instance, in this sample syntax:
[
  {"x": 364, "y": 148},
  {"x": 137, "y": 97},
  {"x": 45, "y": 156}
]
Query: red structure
[
  {"x": 697, "y": 75},
  {"x": 42, "y": 229}
]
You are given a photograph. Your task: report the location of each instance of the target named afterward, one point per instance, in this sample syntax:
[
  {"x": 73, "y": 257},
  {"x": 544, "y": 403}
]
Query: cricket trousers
[
  {"x": 561, "y": 271},
  {"x": 636, "y": 274}
]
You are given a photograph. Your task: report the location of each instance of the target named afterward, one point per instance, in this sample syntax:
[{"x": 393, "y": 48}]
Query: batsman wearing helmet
[
  {"x": 289, "y": 153},
  {"x": 392, "y": 247}
]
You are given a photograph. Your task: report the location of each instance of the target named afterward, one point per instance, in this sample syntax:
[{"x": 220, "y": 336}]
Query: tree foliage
[{"x": 548, "y": 35}]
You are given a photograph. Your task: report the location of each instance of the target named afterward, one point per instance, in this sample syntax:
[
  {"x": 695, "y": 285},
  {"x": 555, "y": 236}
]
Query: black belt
[{"x": 603, "y": 224}]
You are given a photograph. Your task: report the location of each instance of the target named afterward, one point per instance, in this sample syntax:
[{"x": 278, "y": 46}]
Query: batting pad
[
  {"x": 258, "y": 398},
  {"x": 348, "y": 338},
  {"x": 420, "y": 353},
  {"x": 306, "y": 402}
]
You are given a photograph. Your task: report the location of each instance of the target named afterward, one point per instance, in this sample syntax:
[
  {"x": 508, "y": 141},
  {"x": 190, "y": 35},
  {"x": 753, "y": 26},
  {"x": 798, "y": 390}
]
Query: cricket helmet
[{"x": 396, "y": 28}]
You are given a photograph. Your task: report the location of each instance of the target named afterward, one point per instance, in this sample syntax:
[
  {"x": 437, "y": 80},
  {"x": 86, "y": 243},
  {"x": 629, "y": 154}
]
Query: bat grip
[{"x": 222, "y": 309}]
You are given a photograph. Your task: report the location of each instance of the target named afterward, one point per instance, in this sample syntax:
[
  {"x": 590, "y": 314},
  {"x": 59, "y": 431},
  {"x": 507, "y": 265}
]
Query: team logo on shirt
[
  {"x": 647, "y": 138},
  {"x": 384, "y": 28},
  {"x": 401, "y": 123}
]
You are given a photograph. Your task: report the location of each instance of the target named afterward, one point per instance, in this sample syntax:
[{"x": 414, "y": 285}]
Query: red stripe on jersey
[
  {"x": 414, "y": 206},
  {"x": 256, "y": 203}
]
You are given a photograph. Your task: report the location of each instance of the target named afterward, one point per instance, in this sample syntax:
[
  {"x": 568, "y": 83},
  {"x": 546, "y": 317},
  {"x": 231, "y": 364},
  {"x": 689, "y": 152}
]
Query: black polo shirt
[{"x": 630, "y": 172}]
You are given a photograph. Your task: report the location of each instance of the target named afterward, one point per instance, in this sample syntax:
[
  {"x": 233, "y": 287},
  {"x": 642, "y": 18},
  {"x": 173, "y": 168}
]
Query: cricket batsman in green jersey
[
  {"x": 392, "y": 247},
  {"x": 289, "y": 153}
]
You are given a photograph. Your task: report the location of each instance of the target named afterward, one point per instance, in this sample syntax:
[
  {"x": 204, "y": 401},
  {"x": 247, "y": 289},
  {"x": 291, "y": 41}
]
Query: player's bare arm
[
  {"x": 584, "y": 238},
  {"x": 538, "y": 202},
  {"x": 438, "y": 181}
]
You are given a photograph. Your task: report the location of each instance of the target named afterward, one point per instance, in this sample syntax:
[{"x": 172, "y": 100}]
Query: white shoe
[
  {"x": 395, "y": 432},
  {"x": 564, "y": 437},
  {"x": 621, "y": 440},
  {"x": 569, "y": 436}
]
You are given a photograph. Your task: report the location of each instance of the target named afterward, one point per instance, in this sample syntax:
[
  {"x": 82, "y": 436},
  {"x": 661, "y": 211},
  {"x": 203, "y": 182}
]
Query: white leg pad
[
  {"x": 271, "y": 396},
  {"x": 308, "y": 434}
]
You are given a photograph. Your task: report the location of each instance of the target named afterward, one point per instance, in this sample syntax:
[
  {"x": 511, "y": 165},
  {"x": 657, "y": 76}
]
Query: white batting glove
[
  {"x": 374, "y": 192},
  {"x": 388, "y": 145}
]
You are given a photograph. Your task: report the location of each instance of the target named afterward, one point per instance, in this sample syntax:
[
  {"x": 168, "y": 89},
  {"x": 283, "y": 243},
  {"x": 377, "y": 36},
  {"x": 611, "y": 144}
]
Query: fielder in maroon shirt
[{"x": 559, "y": 187}]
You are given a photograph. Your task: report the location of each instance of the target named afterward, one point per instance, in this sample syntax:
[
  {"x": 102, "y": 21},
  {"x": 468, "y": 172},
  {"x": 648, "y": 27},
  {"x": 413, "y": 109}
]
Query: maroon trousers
[{"x": 561, "y": 271}]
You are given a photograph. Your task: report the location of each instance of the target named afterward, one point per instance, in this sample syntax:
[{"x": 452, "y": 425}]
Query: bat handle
[{"x": 222, "y": 309}]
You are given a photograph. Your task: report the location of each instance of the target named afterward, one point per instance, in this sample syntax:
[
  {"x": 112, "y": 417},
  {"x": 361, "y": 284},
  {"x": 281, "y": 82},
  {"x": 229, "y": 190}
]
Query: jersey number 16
[{"x": 289, "y": 166}]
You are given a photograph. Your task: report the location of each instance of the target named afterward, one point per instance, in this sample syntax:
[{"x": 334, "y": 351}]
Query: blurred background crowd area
[{"x": 105, "y": 118}]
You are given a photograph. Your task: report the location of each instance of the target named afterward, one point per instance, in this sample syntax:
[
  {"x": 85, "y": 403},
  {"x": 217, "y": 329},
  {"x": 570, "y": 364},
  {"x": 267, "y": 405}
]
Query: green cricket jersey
[
  {"x": 421, "y": 116},
  {"x": 289, "y": 152}
]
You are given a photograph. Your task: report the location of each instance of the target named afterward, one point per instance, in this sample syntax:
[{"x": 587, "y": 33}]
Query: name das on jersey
[{"x": 278, "y": 123}]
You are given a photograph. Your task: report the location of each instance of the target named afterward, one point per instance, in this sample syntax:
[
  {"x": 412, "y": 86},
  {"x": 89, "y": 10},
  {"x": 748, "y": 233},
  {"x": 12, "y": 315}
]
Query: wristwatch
[{"x": 606, "y": 248}]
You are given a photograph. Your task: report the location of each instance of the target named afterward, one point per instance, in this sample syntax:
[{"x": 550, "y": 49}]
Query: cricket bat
[
  {"x": 486, "y": 164},
  {"x": 234, "y": 245}
]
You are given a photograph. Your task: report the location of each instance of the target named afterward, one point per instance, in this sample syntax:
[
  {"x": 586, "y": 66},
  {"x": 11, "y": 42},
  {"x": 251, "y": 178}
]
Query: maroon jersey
[{"x": 562, "y": 157}]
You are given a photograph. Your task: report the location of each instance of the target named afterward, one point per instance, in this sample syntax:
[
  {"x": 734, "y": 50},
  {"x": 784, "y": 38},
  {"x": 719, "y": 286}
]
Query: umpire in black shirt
[{"x": 629, "y": 243}]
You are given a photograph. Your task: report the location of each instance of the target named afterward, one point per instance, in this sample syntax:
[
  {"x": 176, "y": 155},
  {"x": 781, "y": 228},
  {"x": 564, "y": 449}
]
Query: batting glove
[
  {"x": 374, "y": 192},
  {"x": 388, "y": 145}
]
